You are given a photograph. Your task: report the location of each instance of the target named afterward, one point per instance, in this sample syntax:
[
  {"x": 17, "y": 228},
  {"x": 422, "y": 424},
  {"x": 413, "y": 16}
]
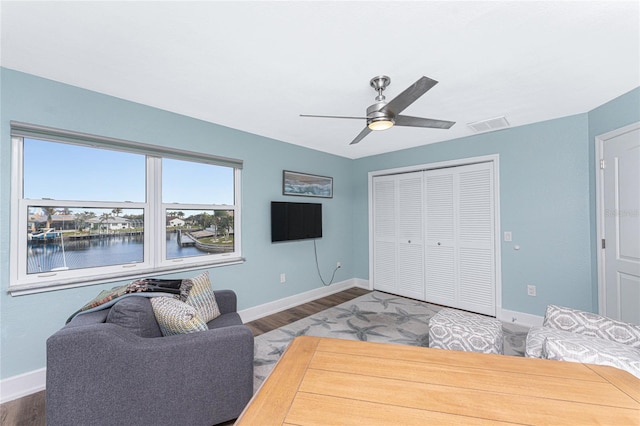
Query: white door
[
  {"x": 476, "y": 251},
  {"x": 410, "y": 236},
  {"x": 621, "y": 205},
  {"x": 398, "y": 233},
  {"x": 460, "y": 243},
  {"x": 440, "y": 251},
  {"x": 384, "y": 234}
]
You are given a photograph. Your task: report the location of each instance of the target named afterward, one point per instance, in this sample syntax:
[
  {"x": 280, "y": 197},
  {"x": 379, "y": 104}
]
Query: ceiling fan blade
[
  {"x": 332, "y": 116},
  {"x": 410, "y": 95},
  {"x": 361, "y": 135},
  {"x": 408, "y": 121}
]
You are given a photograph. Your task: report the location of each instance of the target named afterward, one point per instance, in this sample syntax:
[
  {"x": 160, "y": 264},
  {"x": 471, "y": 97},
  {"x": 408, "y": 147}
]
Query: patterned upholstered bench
[{"x": 464, "y": 331}]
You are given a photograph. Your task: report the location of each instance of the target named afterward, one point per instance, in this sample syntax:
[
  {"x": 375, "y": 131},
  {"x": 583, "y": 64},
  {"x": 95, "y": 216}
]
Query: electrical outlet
[
  {"x": 531, "y": 290},
  {"x": 283, "y": 278},
  {"x": 338, "y": 265}
]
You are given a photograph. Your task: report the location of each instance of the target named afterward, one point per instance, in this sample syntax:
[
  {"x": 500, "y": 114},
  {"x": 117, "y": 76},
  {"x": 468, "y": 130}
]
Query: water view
[{"x": 106, "y": 251}]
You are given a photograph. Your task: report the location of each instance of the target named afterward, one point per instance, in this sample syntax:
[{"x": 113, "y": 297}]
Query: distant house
[
  {"x": 56, "y": 221},
  {"x": 113, "y": 223},
  {"x": 175, "y": 222}
]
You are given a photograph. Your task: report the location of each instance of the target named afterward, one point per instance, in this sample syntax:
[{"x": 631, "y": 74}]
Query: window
[{"x": 87, "y": 209}]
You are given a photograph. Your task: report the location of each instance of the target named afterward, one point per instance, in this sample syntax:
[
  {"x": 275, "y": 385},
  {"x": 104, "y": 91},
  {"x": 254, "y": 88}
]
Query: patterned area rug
[{"x": 373, "y": 317}]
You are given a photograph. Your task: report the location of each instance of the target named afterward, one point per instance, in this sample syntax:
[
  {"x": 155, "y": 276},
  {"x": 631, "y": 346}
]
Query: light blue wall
[
  {"x": 26, "y": 321},
  {"x": 547, "y": 201},
  {"x": 547, "y": 196},
  {"x": 544, "y": 197}
]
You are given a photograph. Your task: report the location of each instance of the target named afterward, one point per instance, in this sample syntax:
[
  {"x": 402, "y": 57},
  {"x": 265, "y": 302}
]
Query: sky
[{"x": 69, "y": 172}]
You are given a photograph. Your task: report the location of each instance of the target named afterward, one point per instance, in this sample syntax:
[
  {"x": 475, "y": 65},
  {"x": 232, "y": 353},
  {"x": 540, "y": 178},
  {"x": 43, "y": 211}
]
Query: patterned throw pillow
[
  {"x": 176, "y": 317},
  {"x": 590, "y": 324},
  {"x": 202, "y": 297}
]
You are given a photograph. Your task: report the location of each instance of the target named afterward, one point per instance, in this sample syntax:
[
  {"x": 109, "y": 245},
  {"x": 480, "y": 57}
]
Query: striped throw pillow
[
  {"x": 202, "y": 297},
  {"x": 176, "y": 317}
]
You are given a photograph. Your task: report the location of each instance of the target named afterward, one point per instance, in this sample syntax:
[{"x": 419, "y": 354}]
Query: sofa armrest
[
  {"x": 227, "y": 301},
  {"x": 103, "y": 374},
  {"x": 95, "y": 317}
]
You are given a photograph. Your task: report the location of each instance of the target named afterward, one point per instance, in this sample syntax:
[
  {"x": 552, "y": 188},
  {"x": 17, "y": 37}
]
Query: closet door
[
  {"x": 410, "y": 235},
  {"x": 475, "y": 239},
  {"x": 459, "y": 243},
  {"x": 398, "y": 234},
  {"x": 384, "y": 234},
  {"x": 440, "y": 250}
]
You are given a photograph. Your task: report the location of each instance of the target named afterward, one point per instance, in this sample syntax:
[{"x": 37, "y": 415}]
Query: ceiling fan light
[{"x": 382, "y": 123}]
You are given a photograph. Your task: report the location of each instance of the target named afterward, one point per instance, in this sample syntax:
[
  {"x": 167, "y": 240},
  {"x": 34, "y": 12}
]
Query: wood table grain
[{"x": 323, "y": 381}]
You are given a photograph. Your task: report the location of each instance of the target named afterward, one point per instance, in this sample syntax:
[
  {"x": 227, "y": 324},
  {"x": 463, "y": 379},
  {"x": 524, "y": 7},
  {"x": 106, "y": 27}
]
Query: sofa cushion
[
  {"x": 590, "y": 324},
  {"x": 136, "y": 315},
  {"x": 202, "y": 297},
  {"x": 592, "y": 350},
  {"x": 176, "y": 317},
  {"x": 225, "y": 320}
]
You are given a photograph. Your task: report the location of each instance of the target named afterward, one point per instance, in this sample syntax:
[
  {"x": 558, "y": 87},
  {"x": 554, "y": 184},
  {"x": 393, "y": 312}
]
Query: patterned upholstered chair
[{"x": 573, "y": 335}]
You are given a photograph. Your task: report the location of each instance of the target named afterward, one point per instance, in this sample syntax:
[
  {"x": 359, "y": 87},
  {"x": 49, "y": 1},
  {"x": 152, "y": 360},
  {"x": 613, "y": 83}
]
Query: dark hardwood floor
[
  {"x": 288, "y": 316},
  {"x": 29, "y": 411}
]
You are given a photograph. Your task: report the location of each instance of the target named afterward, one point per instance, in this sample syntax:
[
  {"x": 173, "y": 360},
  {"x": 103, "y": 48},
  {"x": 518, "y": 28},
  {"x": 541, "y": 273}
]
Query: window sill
[{"x": 32, "y": 288}]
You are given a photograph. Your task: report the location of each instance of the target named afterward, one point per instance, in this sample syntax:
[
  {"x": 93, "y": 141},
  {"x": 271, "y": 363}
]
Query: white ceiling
[{"x": 255, "y": 66}]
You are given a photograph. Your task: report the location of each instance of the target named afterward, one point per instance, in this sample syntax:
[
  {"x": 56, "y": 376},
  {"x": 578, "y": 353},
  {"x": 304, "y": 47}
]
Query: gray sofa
[
  {"x": 114, "y": 367},
  {"x": 572, "y": 335}
]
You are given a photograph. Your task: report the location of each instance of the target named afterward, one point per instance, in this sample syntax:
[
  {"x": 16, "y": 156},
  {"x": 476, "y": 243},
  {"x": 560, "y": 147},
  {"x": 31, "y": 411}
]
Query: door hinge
[
  {"x": 603, "y": 245},
  {"x": 602, "y": 164}
]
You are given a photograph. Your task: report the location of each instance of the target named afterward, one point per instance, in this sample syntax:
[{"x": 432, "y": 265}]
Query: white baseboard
[
  {"x": 256, "y": 312},
  {"x": 22, "y": 385},
  {"x": 520, "y": 318}
]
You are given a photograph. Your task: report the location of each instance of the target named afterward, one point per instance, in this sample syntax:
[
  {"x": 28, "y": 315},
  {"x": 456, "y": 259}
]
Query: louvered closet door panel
[
  {"x": 385, "y": 234},
  {"x": 439, "y": 219},
  {"x": 475, "y": 238},
  {"x": 385, "y": 267},
  {"x": 410, "y": 236}
]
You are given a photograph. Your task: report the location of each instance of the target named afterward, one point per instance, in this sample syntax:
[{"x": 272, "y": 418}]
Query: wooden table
[{"x": 321, "y": 381}]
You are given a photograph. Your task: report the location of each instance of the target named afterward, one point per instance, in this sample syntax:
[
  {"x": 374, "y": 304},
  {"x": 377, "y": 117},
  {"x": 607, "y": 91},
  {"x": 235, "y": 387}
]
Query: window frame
[{"x": 155, "y": 260}]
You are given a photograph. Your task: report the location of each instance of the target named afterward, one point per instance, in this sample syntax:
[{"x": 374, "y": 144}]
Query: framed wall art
[{"x": 306, "y": 185}]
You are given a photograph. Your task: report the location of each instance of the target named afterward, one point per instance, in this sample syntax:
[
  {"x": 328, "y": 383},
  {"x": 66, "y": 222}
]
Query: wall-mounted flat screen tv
[{"x": 295, "y": 221}]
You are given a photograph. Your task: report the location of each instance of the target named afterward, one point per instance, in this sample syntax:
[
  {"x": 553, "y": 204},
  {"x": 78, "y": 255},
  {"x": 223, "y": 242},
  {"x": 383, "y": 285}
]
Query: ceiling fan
[{"x": 383, "y": 115}]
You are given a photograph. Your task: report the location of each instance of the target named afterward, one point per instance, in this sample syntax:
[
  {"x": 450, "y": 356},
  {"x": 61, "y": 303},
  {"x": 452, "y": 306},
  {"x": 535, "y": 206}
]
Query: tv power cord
[{"x": 315, "y": 251}]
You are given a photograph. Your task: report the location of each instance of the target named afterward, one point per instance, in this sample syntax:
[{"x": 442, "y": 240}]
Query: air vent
[{"x": 489, "y": 124}]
